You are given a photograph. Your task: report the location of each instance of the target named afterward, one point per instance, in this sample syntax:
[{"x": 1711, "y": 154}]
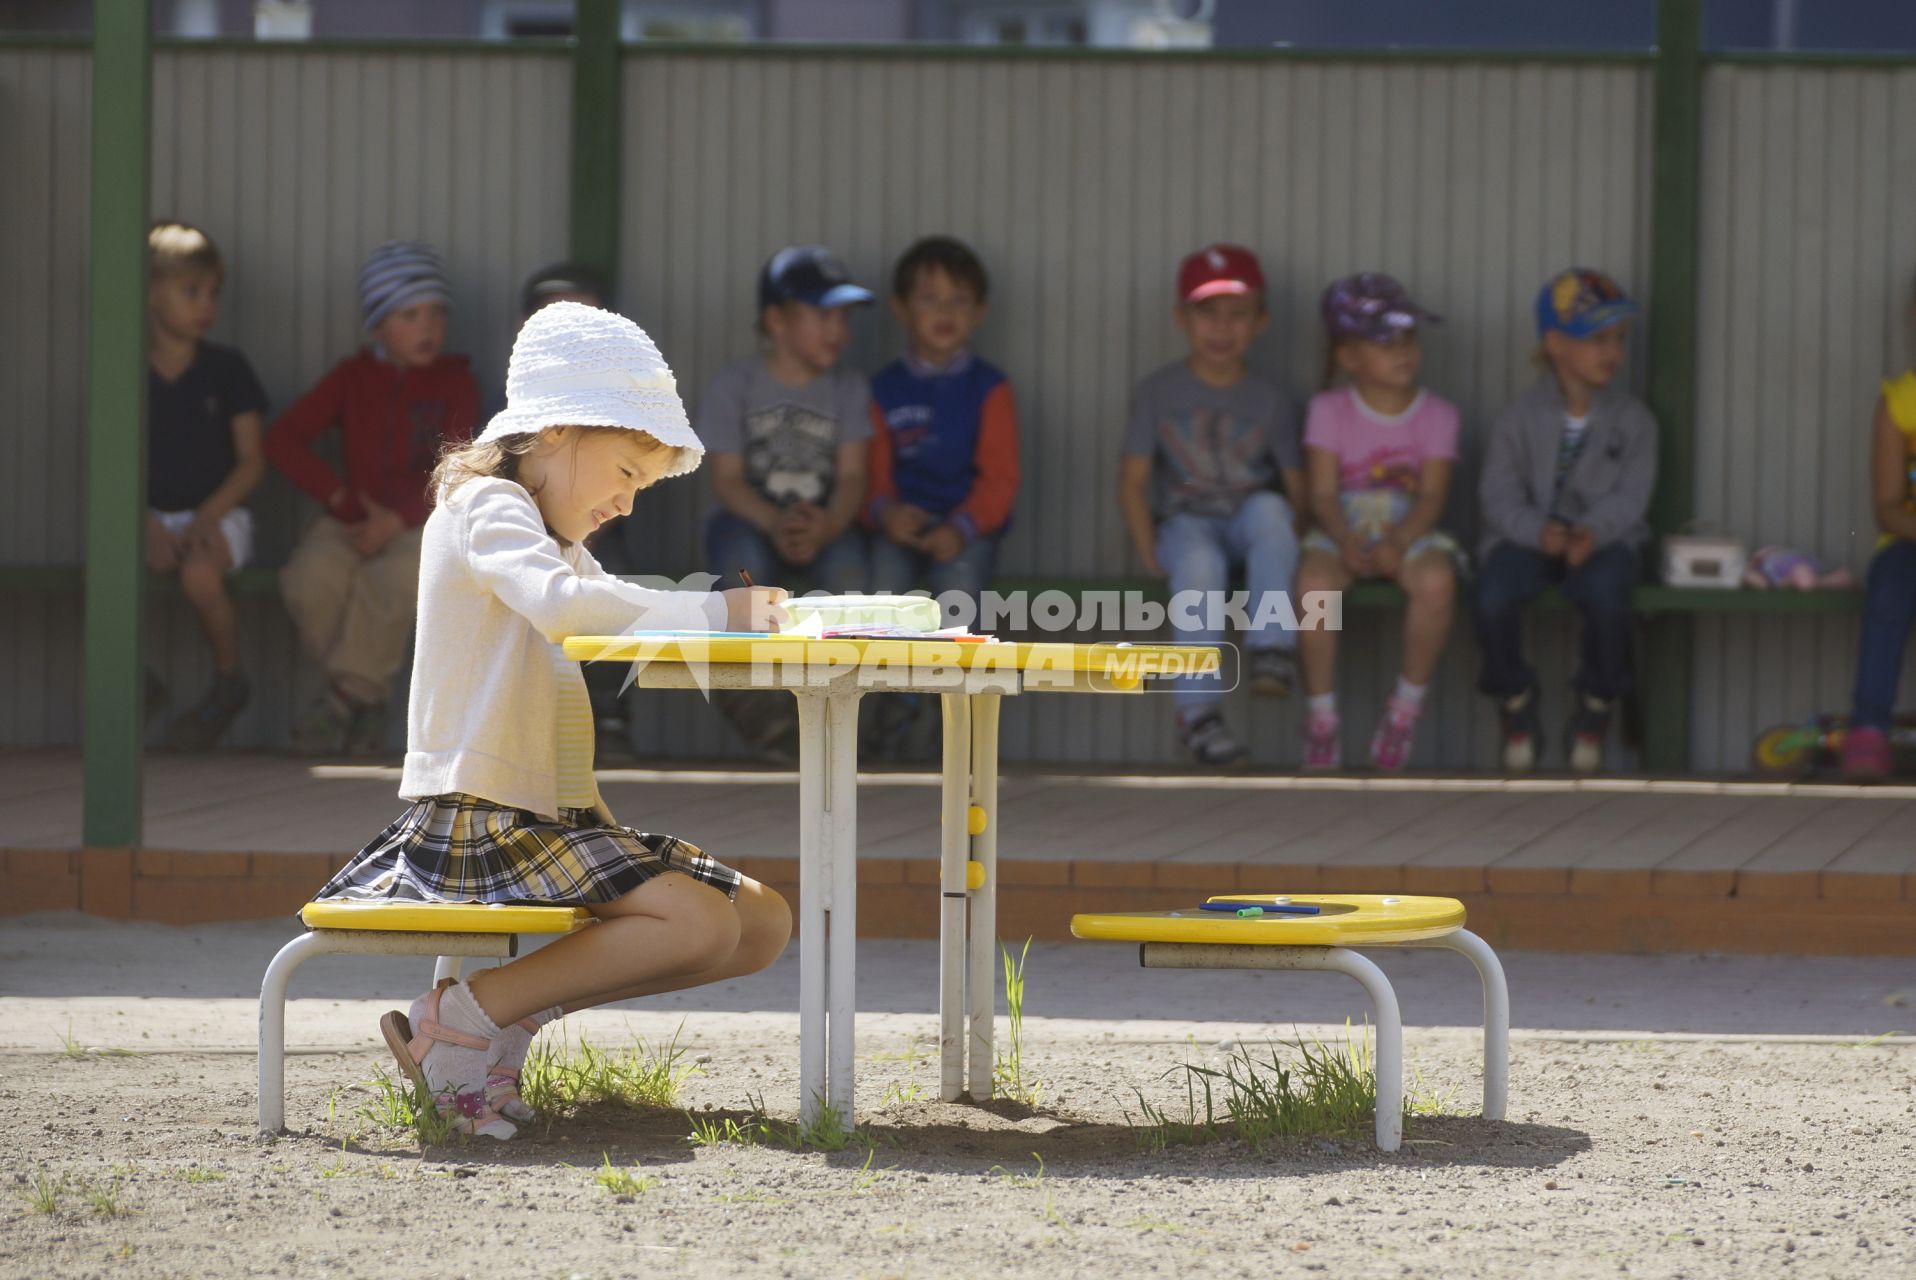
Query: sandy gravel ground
[{"x": 1669, "y": 1117}]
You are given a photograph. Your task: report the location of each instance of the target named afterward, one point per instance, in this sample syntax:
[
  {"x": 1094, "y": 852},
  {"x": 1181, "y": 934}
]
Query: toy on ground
[{"x": 1799, "y": 749}]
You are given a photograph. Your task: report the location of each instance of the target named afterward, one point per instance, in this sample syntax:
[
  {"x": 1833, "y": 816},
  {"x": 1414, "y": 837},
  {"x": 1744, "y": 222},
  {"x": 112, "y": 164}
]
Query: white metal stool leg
[
  {"x": 1496, "y": 1016},
  {"x": 446, "y": 967},
  {"x": 1390, "y": 1022},
  {"x": 272, "y": 1025}
]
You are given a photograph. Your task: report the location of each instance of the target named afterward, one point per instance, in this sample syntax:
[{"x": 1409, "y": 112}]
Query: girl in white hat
[{"x": 505, "y": 807}]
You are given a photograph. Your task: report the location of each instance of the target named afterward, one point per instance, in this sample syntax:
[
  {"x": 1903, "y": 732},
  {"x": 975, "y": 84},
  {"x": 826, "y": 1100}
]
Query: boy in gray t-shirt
[
  {"x": 1210, "y": 452},
  {"x": 785, "y": 433}
]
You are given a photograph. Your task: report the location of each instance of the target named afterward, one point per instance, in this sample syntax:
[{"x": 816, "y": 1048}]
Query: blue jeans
[
  {"x": 1512, "y": 576},
  {"x": 896, "y": 567},
  {"x": 732, "y": 544},
  {"x": 1889, "y": 607},
  {"x": 1198, "y": 553}
]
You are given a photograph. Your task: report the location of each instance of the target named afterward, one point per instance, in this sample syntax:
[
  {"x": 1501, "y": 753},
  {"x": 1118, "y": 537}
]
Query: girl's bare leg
[
  {"x": 1429, "y": 581},
  {"x": 765, "y": 926},
  {"x": 670, "y": 927},
  {"x": 1316, "y": 647}
]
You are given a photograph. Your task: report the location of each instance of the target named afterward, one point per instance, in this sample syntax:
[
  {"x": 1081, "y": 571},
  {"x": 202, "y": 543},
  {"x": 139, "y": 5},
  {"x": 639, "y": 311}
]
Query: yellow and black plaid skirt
[{"x": 459, "y": 848}]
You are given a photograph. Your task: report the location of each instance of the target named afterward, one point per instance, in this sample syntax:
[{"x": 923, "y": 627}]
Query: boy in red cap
[{"x": 1209, "y": 456}]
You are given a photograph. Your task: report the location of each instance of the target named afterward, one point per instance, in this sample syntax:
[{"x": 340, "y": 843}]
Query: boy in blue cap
[
  {"x": 786, "y": 432},
  {"x": 1565, "y": 490}
]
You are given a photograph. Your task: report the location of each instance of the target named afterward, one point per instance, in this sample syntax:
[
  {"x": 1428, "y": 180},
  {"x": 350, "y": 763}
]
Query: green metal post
[
  {"x": 1675, "y": 182},
  {"x": 116, "y": 425},
  {"x": 595, "y": 135}
]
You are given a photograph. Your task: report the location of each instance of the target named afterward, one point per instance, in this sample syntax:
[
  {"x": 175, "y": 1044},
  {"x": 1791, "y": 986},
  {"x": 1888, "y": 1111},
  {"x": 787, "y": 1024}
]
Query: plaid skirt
[{"x": 460, "y": 848}]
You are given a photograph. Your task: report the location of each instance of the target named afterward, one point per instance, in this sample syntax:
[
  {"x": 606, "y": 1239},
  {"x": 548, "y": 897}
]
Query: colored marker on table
[{"x": 1265, "y": 909}]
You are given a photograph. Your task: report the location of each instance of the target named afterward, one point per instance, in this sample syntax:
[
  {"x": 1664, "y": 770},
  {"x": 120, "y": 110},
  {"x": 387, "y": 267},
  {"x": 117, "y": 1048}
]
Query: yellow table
[
  {"x": 1201, "y": 939},
  {"x": 828, "y": 676}
]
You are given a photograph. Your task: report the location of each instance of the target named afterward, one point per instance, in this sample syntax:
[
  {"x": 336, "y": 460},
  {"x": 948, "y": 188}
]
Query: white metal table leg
[
  {"x": 953, "y": 847},
  {"x": 841, "y": 782},
  {"x": 983, "y": 945},
  {"x": 1390, "y": 1022},
  {"x": 814, "y": 869},
  {"x": 1496, "y": 1016},
  {"x": 272, "y": 1025}
]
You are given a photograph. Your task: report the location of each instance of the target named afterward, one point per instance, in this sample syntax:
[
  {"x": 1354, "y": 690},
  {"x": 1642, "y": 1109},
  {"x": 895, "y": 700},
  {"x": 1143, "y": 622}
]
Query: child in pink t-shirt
[{"x": 1380, "y": 453}]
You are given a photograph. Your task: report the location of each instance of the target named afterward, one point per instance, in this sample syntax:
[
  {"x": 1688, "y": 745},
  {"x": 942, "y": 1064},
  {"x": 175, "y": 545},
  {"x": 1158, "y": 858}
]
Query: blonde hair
[
  {"x": 179, "y": 246},
  {"x": 465, "y": 460}
]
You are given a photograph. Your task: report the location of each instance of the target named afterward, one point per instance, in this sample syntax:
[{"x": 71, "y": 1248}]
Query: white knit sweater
[{"x": 496, "y": 593}]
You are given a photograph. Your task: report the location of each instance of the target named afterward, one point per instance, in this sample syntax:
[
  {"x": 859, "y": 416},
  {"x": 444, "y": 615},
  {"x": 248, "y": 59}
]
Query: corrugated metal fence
[{"x": 1080, "y": 181}]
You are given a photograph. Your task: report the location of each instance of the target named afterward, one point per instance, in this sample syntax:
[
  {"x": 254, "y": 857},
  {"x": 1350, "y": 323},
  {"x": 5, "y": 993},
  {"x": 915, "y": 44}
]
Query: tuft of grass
[
  {"x": 625, "y": 1185},
  {"x": 195, "y": 1173},
  {"x": 1023, "y": 1181},
  {"x": 558, "y": 1079},
  {"x": 867, "y": 1177},
  {"x": 103, "y": 1197},
  {"x": 42, "y": 1193},
  {"x": 401, "y": 1104},
  {"x": 828, "y": 1132},
  {"x": 1007, "y": 1068},
  {"x": 909, "y": 1091},
  {"x": 72, "y": 1048},
  {"x": 1318, "y": 1091}
]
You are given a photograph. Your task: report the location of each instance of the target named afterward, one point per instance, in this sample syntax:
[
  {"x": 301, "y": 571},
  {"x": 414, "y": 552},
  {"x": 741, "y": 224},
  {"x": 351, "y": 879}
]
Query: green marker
[{"x": 1249, "y": 911}]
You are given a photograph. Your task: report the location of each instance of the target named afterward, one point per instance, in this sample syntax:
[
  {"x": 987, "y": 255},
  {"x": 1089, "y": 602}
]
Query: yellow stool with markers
[{"x": 1325, "y": 932}]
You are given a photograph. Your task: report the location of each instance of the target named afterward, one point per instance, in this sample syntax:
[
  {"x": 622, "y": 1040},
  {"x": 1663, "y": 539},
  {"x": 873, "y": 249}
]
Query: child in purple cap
[
  {"x": 1380, "y": 451},
  {"x": 1565, "y": 488}
]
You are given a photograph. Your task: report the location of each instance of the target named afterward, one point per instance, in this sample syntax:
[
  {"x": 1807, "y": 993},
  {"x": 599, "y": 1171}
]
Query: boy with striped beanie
[{"x": 352, "y": 580}]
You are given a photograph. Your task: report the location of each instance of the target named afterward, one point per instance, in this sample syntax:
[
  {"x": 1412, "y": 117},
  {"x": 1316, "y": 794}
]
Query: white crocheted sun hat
[{"x": 577, "y": 366}]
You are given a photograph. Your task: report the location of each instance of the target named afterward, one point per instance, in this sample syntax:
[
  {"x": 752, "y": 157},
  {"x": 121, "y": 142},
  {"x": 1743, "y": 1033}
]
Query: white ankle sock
[
  {"x": 450, "y": 1066},
  {"x": 1410, "y": 694},
  {"x": 1323, "y": 705}
]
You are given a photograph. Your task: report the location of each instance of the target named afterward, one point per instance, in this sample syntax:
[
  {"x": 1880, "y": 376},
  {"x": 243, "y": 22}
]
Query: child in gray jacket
[{"x": 1565, "y": 486}]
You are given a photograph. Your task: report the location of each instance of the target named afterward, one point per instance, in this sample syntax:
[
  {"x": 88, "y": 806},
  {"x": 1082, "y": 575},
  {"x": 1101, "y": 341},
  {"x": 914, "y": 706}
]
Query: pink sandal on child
[
  {"x": 509, "y": 1060},
  {"x": 412, "y": 1040}
]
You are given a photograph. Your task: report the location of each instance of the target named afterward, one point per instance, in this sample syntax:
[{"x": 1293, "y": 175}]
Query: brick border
[{"x": 1791, "y": 913}]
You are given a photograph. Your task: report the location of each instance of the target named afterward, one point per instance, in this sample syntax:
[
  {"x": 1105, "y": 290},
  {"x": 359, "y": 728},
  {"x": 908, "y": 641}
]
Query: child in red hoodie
[{"x": 354, "y": 577}]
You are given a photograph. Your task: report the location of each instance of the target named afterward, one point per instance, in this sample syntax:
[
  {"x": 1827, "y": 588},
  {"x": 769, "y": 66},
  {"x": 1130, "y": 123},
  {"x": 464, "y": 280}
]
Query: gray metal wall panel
[
  {"x": 1081, "y": 183},
  {"x": 1808, "y": 255},
  {"x": 297, "y": 163}
]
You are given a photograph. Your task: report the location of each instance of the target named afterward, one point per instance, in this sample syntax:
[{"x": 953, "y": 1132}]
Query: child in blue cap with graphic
[
  {"x": 1380, "y": 452},
  {"x": 788, "y": 428},
  {"x": 1565, "y": 490}
]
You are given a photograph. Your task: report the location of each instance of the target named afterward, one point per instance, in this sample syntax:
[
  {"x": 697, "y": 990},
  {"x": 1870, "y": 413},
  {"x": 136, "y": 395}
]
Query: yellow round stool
[{"x": 1237, "y": 937}]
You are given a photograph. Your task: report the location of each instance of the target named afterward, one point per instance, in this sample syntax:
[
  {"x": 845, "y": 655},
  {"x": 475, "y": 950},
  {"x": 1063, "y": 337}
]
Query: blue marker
[{"x": 1265, "y": 908}]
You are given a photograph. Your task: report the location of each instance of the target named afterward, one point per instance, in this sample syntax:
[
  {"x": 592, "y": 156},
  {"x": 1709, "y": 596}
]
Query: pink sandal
[
  {"x": 502, "y": 1083},
  {"x": 469, "y": 1109}
]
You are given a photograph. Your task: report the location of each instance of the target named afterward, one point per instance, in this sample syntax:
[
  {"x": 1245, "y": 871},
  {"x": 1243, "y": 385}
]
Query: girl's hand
[
  {"x": 1357, "y": 557},
  {"x": 756, "y": 609},
  {"x": 162, "y": 546},
  {"x": 1387, "y": 557}
]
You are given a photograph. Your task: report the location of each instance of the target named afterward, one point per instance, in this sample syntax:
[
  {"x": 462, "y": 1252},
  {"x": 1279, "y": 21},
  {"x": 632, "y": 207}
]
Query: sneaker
[
  {"x": 1322, "y": 750},
  {"x": 1390, "y": 745},
  {"x": 1272, "y": 673},
  {"x": 202, "y": 724},
  {"x": 366, "y": 731},
  {"x": 321, "y": 728},
  {"x": 1866, "y": 755},
  {"x": 1210, "y": 742},
  {"x": 1522, "y": 731},
  {"x": 1589, "y": 728}
]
